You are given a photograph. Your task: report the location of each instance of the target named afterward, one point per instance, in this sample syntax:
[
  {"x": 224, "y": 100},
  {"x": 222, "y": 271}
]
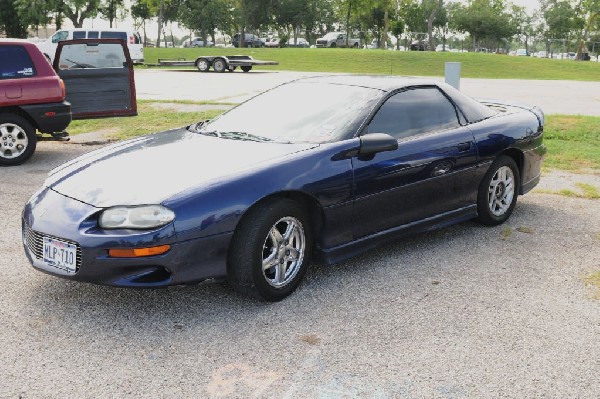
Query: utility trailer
[{"x": 219, "y": 63}]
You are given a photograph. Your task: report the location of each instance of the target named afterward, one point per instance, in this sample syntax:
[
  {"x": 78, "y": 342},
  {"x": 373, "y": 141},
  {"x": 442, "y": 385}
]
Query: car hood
[{"x": 151, "y": 169}]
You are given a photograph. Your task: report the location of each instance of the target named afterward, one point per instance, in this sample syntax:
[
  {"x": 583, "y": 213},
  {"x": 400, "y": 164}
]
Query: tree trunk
[
  {"x": 348, "y": 23},
  {"x": 386, "y": 27},
  {"x": 430, "y": 22},
  {"x": 161, "y": 11}
]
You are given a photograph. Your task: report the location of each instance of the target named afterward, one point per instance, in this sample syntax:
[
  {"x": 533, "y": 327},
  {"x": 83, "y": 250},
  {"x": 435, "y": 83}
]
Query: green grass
[
  {"x": 573, "y": 142},
  {"x": 474, "y": 65},
  {"x": 149, "y": 120}
]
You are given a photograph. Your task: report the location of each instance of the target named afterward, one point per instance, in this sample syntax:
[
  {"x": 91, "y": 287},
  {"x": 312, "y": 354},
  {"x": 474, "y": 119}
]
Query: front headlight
[{"x": 138, "y": 217}]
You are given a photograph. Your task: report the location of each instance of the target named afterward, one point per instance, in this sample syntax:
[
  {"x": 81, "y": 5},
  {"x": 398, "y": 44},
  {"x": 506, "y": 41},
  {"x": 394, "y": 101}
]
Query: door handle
[{"x": 462, "y": 147}]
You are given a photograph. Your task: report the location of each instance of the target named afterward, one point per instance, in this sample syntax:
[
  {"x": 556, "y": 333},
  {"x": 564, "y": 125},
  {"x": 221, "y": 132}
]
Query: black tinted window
[
  {"x": 16, "y": 63},
  {"x": 92, "y": 34},
  {"x": 413, "y": 112},
  {"x": 79, "y": 35},
  {"x": 114, "y": 35}
]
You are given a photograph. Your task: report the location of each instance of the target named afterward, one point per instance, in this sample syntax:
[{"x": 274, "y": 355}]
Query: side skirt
[{"x": 353, "y": 248}]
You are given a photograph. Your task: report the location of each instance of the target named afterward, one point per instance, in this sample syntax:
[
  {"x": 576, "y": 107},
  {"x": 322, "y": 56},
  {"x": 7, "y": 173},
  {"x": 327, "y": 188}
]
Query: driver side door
[{"x": 427, "y": 177}]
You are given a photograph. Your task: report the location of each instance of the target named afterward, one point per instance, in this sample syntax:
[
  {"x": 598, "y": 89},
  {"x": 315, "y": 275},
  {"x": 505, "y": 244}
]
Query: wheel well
[
  {"x": 313, "y": 207},
  {"x": 517, "y": 156},
  {"x": 21, "y": 113}
]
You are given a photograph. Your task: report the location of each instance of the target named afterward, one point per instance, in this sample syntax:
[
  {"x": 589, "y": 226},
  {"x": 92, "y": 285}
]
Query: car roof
[{"x": 384, "y": 83}]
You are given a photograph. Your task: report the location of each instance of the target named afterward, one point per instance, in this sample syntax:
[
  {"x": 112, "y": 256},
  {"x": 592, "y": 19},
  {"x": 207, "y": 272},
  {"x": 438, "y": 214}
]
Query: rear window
[
  {"x": 16, "y": 63},
  {"x": 99, "y": 55},
  {"x": 93, "y": 34},
  {"x": 79, "y": 34},
  {"x": 114, "y": 35}
]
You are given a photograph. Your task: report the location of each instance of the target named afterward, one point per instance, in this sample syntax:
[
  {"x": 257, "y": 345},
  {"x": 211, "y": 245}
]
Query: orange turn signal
[{"x": 138, "y": 252}]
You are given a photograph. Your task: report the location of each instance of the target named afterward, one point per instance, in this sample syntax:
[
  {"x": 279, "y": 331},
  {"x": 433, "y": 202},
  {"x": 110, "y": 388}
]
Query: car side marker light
[{"x": 138, "y": 252}]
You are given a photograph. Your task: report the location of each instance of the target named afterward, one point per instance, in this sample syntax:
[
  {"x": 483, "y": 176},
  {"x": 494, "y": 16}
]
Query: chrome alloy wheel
[
  {"x": 13, "y": 140},
  {"x": 283, "y": 252},
  {"x": 501, "y": 191}
]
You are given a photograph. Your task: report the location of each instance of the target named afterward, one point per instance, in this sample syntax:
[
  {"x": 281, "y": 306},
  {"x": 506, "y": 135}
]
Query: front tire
[
  {"x": 203, "y": 65},
  {"x": 17, "y": 139},
  {"x": 498, "y": 191},
  {"x": 270, "y": 250}
]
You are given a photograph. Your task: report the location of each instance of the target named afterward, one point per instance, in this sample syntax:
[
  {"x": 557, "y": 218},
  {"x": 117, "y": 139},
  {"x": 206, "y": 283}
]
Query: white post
[{"x": 453, "y": 74}]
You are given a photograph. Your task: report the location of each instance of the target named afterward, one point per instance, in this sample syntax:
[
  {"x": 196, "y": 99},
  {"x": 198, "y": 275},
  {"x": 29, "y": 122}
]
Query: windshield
[{"x": 299, "y": 112}]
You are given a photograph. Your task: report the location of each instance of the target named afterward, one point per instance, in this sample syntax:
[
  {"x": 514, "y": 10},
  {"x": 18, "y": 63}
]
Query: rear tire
[
  {"x": 333, "y": 45},
  {"x": 270, "y": 250},
  {"x": 219, "y": 65},
  {"x": 17, "y": 139},
  {"x": 498, "y": 191}
]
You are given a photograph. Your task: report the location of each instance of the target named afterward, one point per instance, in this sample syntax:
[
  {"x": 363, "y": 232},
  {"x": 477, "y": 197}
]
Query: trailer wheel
[
  {"x": 355, "y": 45},
  {"x": 333, "y": 45},
  {"x": 202, "y": 64},
  {"x": 246, "y": 68},
  {"x": 232, "y": 68},
  {"x": 219, "y": 65}
]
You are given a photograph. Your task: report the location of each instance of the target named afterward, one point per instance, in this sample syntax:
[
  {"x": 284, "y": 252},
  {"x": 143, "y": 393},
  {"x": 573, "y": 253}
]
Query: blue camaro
[{"x": 252, "y": 199}]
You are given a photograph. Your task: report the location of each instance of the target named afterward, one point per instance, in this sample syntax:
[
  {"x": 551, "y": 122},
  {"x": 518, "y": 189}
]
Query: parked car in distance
[
  {"x": 132, "y": 39},
  {"x": 298, "y": 42},
  {"x": 250, "y": 40},
  {"x": 198, "y": 42},
  {"x": 33, "y": 100},
  {"x": 521, "y": 53},
  {"x": 442, "y": 47},
  {"x": 273, "y": 42},
  {"x": 336, "y": 39},
  {"x": 369, "y": 159}
]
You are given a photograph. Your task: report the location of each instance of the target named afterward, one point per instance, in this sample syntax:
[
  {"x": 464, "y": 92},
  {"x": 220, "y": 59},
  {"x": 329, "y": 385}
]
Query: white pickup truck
[{"x": 337, "y": 39}]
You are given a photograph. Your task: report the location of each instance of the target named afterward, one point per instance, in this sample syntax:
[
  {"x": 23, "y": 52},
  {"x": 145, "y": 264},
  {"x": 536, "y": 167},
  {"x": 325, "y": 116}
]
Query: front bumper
[{"x": 53, "y": 215}]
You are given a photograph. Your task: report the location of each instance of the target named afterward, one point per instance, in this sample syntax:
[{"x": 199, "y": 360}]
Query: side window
[
  {"x": 114, "y": 35},
  {"x": 93, "y": 34},
  {"x": 79, "y": 34},
  {"x": 415, "y": 111},
  {"x": 60, "y": 36},
  {"x": 16, "y": 63}
]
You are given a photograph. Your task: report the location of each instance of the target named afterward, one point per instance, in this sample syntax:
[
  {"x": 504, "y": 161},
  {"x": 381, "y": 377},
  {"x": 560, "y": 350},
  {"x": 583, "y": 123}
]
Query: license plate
[{"x": 60, "y": 254}]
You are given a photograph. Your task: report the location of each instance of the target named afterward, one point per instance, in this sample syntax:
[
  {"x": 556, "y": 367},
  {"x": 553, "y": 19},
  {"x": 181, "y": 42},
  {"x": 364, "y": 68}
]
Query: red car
[
  {"x": 32, "y": 97},
  {"x": 89, "y": 79}
]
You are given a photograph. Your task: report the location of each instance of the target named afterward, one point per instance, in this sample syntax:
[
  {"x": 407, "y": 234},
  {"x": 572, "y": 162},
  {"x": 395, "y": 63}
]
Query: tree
[
  {"x": 110, "y": 9},
  {"x": 34, "y": 13},
  {"x": 10, "y": 21},
  {"x": 140, "y": 12},
  {"x": 78, "y": 10},
  {"x": 397, "y": 28},
  {"x": 590, "y": 9},
  {"x": 484, "y": 20},
  {"x": 205, "y": 16}
]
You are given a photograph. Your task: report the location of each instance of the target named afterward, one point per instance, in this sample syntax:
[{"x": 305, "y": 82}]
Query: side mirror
[{"x": 373, "y": 143}]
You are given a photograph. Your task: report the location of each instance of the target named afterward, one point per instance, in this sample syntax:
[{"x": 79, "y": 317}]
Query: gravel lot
[{"x": 464, "y": 312}]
